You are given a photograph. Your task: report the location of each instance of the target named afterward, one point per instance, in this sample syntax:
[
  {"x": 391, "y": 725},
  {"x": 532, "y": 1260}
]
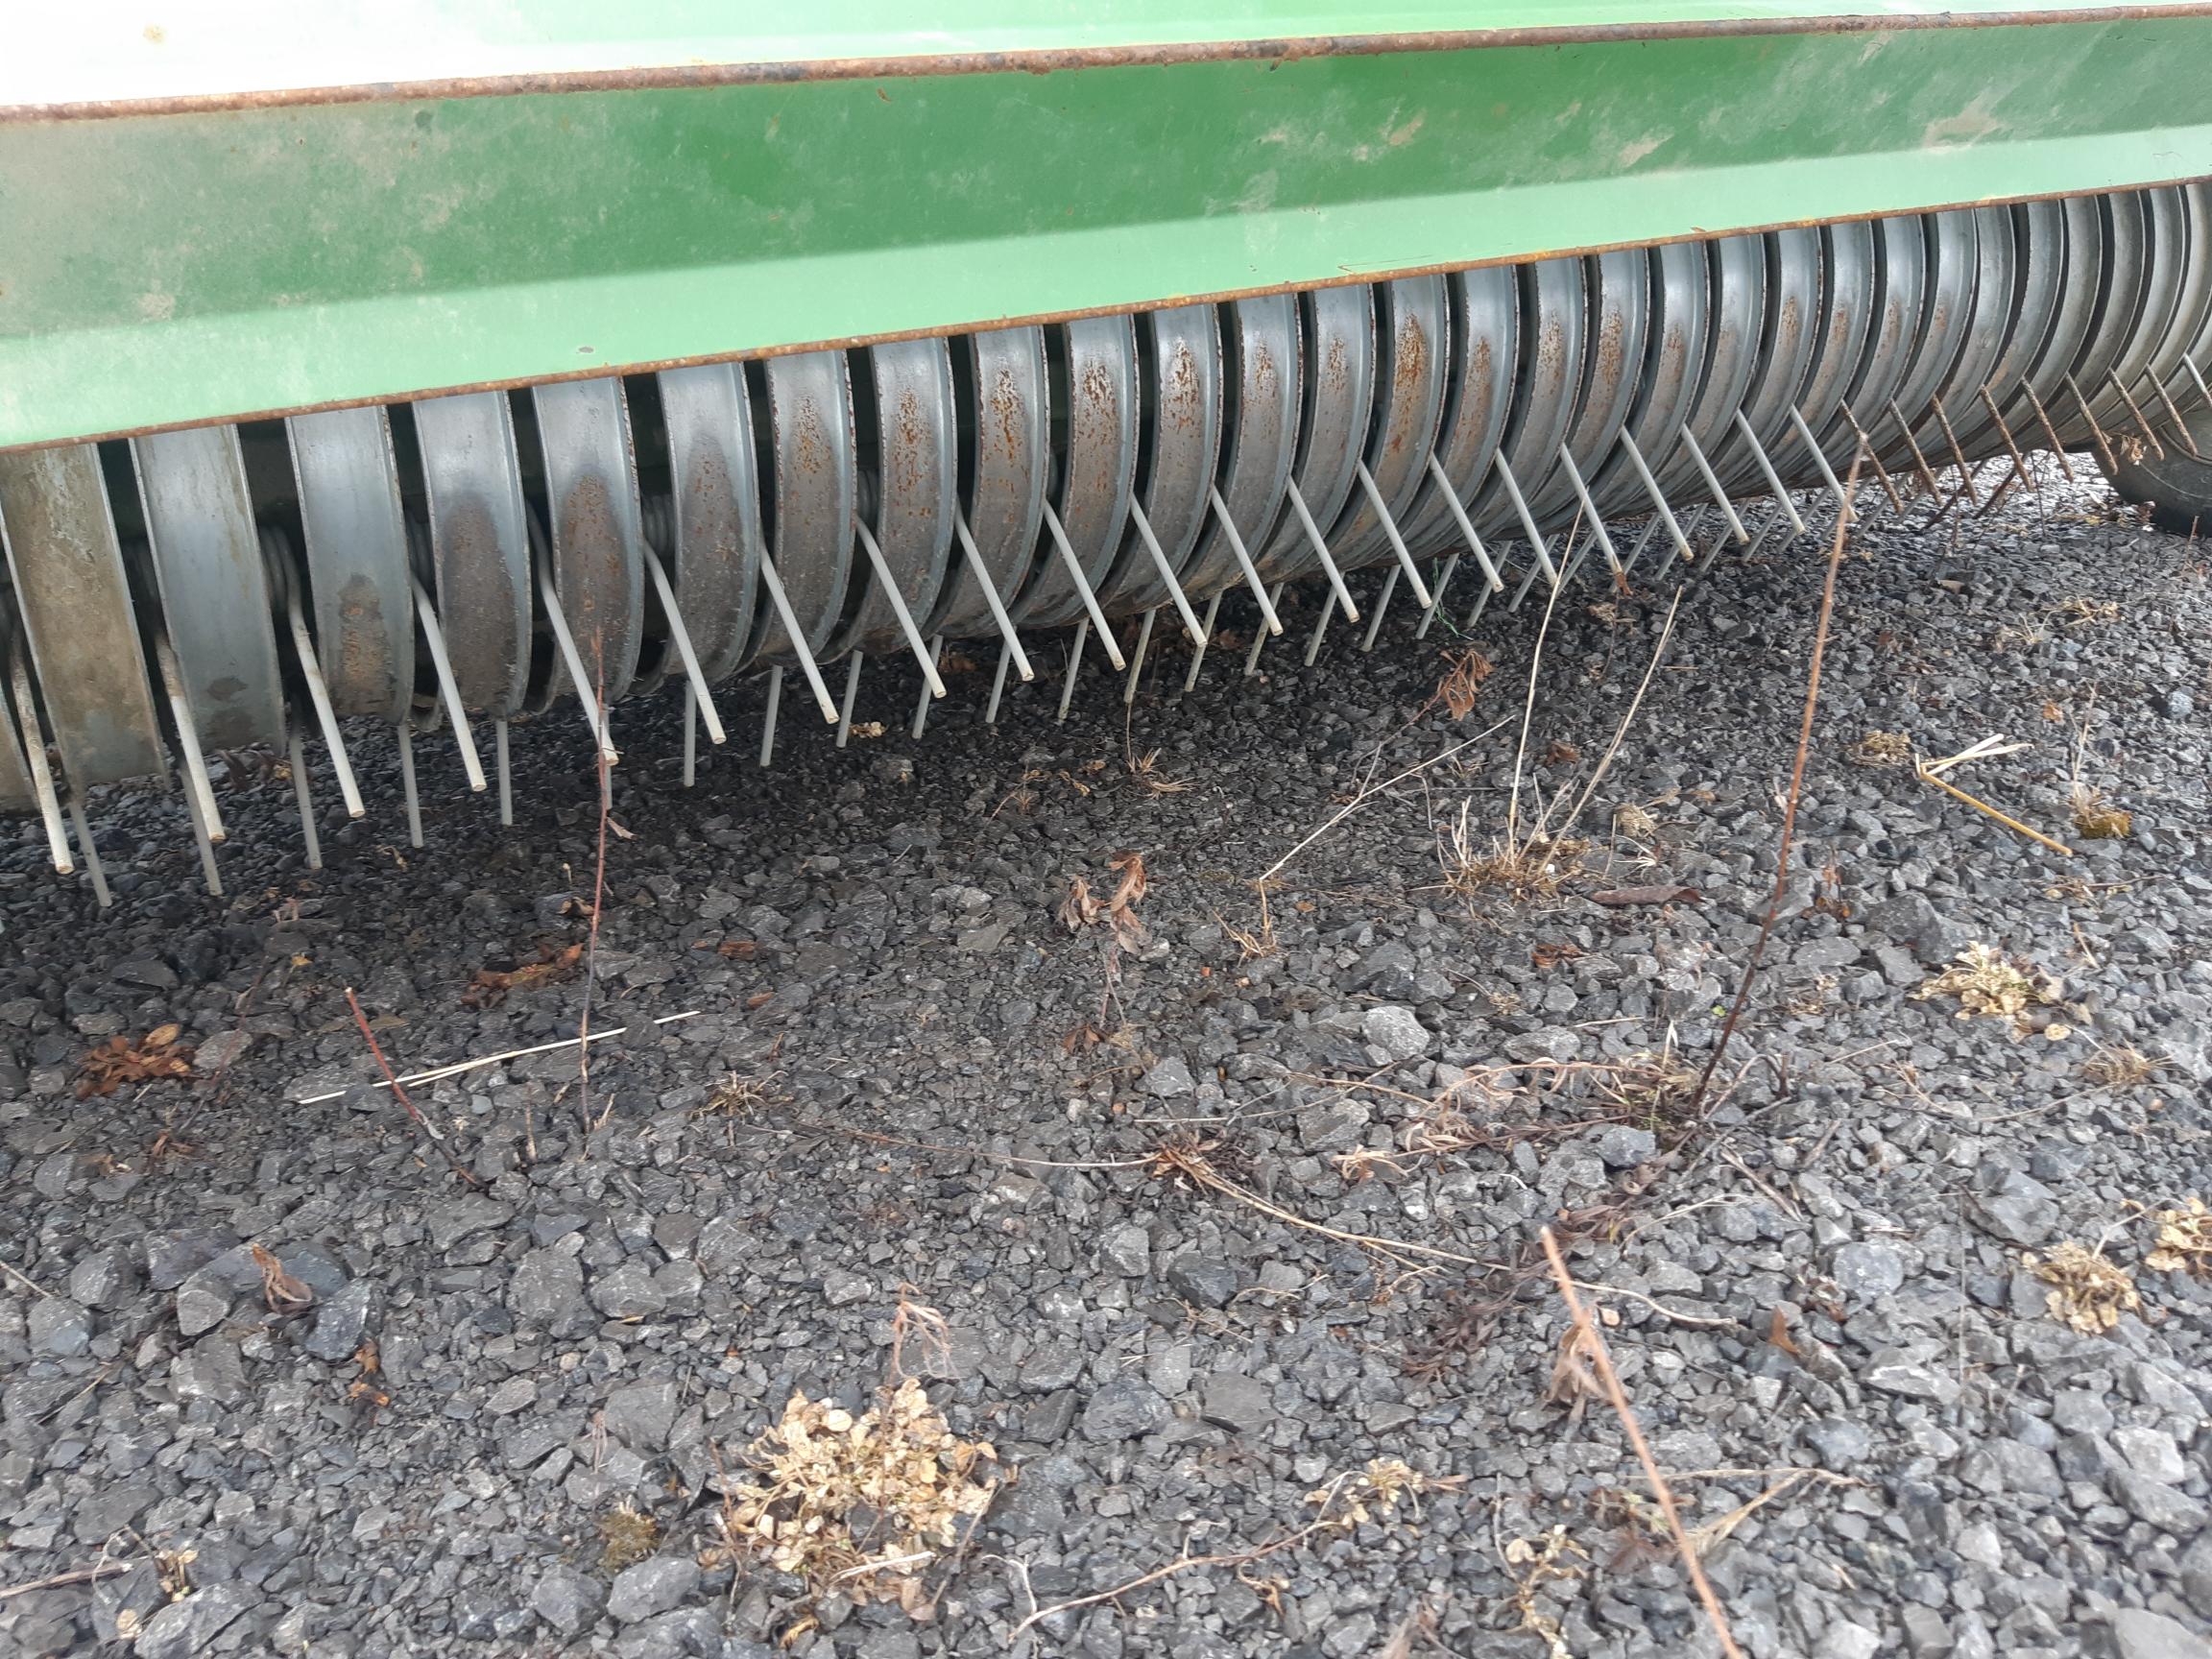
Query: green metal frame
[{"x": 170, "y": 263}]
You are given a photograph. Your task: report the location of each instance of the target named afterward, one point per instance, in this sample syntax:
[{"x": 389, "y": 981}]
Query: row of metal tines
[{"x": 468, "y": 559}]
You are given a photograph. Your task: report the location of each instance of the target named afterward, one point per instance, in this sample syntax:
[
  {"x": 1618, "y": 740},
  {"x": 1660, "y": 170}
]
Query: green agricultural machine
[{"x": 436, "y": 361}]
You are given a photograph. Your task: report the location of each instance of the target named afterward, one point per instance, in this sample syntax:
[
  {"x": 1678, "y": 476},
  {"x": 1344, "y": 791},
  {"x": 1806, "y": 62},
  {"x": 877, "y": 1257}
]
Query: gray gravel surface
[{"x": 1817, "y": 1282}]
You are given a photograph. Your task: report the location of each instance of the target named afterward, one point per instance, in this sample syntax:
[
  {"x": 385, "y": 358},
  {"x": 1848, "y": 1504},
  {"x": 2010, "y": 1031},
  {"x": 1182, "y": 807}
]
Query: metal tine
[
  {"x": 2157, "y": 449},
  {"x": 1436, "y": 596},
  {"x": 1827, "y": 472},
  {"x": 691, "y": 739},
  {"x": 2197, "y": 375},
  {"x": 306, "y": 797},
  {"x": 694, "y": 676},
  {"x": 1466, "y": 526},
  {"x": 2049, "y": 431},
  {"x": 1881, "y": 473},
  {"x": 982, "y": 575},
  {"x": 1093, "y": 616},
  {"x": 319, "y": 693},
  {"x": 2019, "y": 465},
  {"x": 449, "y": 688},
  {"x": 768, "y": 713},
  {"x": 593, "y": 716},
  {"x": 33, "y": 745},
  {"x": 798, "y": 637},
  {"x": 997, "y": 689},
  {"x": 1766, "y": 471},
  {"x": 2103, "y": 447},
  {"x": 1198, "y": 655},
  {"x": 921, "y": 703},
  {"x": 1537, "y": 541},
  {"x": 1074, "y": 666},
  {"x": 914, "y": 642},
  {"x": 1664, "y": 514},
  {"x": 1405, "y": 563},
  {"x": 502, "y": 764},
  {"x": 407, "y": 793},
  {"x": 2173, "y": 413},
  {"x": 1381, "y": 604},
  {"x": 1259, "y": 635},
  {"x": 1927, "y": 476},
  {"x": 1320, "y": 633},
  {"x": 196, "y": 781},
  {"x": 210, "y": 870},
  {"x": 1244, "y": 563},
  {"x": 851, "y": 690},
  {"x": 1566, "y": 564},
  {"x": 1590, "y": 510},
  {"x": 1321, "y": 551},
  {"x": 1713, "y": 483},
  {"x": 1166, "y": 575},
  {"x": 92, "y": 865},
  {"x": 1137, "y": 661},
  {"x": 1957, "y": 455}
]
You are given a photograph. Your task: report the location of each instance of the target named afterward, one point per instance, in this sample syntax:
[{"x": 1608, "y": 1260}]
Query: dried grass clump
[
  {"x": 2096, "y": 819},
  {"x": 627, "y": 1536},
  {"x": 2088, "y": 1292},
  {"x": 2184, "y": 1240},
  {"x": 1375, "y": 1492},
  {"x": 2116, "y": 1065},
  {"x": 1992, "y": 985},
  {"x": 860, "y": 1504},
  {"x": 1462, "y": 682},
  {"x": 1882, "y": 749},
  {"x": 1521, "y": 867},
  {"x": 120, "y": 1062}
]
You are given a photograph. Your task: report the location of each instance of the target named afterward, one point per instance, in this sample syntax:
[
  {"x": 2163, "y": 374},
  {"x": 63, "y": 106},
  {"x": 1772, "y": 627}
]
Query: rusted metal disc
[
  {"x": 1411, "y": 375},
  {"x": 713, "y": 534},
  {"x": 354, "y": 536},
  {"x": 1259, "y": 437},
  {"x": 1485, "y": 342},
  {"x": 1094, "y": 398},
  {"x": 1005, "y": 452},
  {"x": 1339, "y": 324},
  {"x": 479, "y": 546},
  {"x": 811, "y": 504},
  {"x": 909, "y": 471},
  {"x": 1181, "y": 352}
]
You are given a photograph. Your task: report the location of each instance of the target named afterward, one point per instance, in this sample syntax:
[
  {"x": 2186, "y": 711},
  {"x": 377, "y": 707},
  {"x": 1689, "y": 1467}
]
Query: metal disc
[
  {"x": 1550, "y": 375},
  {"x": 1620, "y": 319},
  {"x": 17, "y": 793},
  {"x": 1900, "y": 267},
  {"x": 214, "y": 591},
  {"x": 1947, "y": 311},
  {"x": 1486, "y": 338},
  {"x": 60, "y": 534},
  {"x": 593, "y": 521},
  {"x": 1739, "y": 267},
  {"x": 1338, "y": 403},
  {"x": 1411, "y": 375},
  {"x": 2120, "y": 299},
  {"x": 1993, "y": 310},
  {"x": 811, "y": 450},
  {"x": 1848, "y": 284},
  {"x": 2199, "y": 201},
  {"x": 2080, "y": 250},
  {"x": 910, "y": 480},
  {"x": 1095, "y": 398},
  {"x": 2166, "y": 246},
  {"x": 355, "y": 536},
  {"x": 1182, "y": 439},
  {"x": 1005, "y": 454},
  {"x": 714, "y": 535},
  {"x": 479, "y": 546},
  {"x": 1674, "y": 354},
  {"x": 2184, "y": 228},
  {"x": 1790, "y": 334},
  {"x": 1260, "y": 440},
  {"x": 2039, "y": 271}
]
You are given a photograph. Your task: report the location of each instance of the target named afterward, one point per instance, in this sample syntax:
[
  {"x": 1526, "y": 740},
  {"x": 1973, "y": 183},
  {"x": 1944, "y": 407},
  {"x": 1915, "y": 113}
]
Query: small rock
[
  {"x": 188, "y": 1628},
  {"x": 1237, "y": 1402},
  {"x": 209, "y": 1370},
  {"x": 1841, "y": 1444},
  {"x": 1623, "y": 1146},
  {"x": 222, "y": 1052},
  {"x": 2166, "y": 1507},
  {"x": 342, "y": 1322},
  {"x": 1555, "y": 1043},
  {"x": 1867, "y": 1271},
  {"x": 1169, "y": 1077},
  {"x": 202, "y": 1302},
  {"x": 641, "y": 1415},
  {"x": 651, "y": 1587},
  {"x": 547, "y": 1290},
  {"x": 1124, "y": 1409},
  {"x": 568, "y": 1599},
  {"x": 1395, "y": 1032},
  {"x": 1204, "y": 1280},
  {"x": 1844, "y": 1639},
  {"x": 1129, "y": 1248},
  {"x": 841, "y": 1290},
  {"x": 2137, "y": 1633},
  {"x": 514, "y": 1395},
  {"x": 106, "y": 1278},
  {"x": 2153, "y": 1453},
  {"x": 628, "y": 1292},
  {"x": 60, "y": 1327},
  {"x": 2021, "y": 1210}
]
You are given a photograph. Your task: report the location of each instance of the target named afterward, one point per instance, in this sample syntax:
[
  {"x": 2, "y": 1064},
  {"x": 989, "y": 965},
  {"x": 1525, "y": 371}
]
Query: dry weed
[
  {"x": 1549, "y": 1559},
  {"x": 2184, "y": 1240},
  {"x": 1992, "y": 985},
  {"x": 488, "y": 987},
  {"x": 1522, "y": 868},
  {"x": 627, "y": 1536},
  {"x": 2083, "y": 611},
  {"x": 1144, "y": 769},
  {"x": 1882, "y": 749},
  {"x": 1083, "y": 908},
  {"x": 2088, "y": 1292},
  {"x": 2096, "y": 819},
  {"x": 1375, "y": 1492},
  {"x": 1464, "y": 681},
  {"x": 119, "y": 1062},
  {"x": 2117, "y": 1065}
]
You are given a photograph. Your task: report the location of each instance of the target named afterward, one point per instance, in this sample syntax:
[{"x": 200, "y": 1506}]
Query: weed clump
[
  {"x": 2088, "y": 1292},
  {"x": 1992, "y": 985}
]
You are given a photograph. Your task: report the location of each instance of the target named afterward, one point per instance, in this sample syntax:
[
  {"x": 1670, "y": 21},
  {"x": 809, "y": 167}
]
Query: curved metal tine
[
  {"x": 1381, "y": 604},
  {"x": 997, "y": 689},
  {"x": 1766, "y": 471},
  {"x": 982, "y": 574},
  {"x": 2173, "y": 414},
  {"x": 1536, "y": 539},
  {"x": 914, "y": 642},
  {"x": 306, "y": 797},
  {"x": 798, "y": 637},
  {"x": 1092, "y": 616},
  {"x": 1321, "y": 551},
  {"x": 2012, "y": 448},
  {"x": 504, "y": 766},
  {"x": 694, "y": 676},
  {"x": 921, "y": 703},
  {"x": 773, "y": 707},
  {"x": 1320, "y": 632},
  {"x": 1397, "y": 541},
  {"x": 449, "y": 688},
  {"x": 1905, "y": 428},
  {"x": 1644, "y": 540},
  {"x": 407, "y": 794},
  {"x": 210, "y": 870},
  {"x": 2049, "y": 431},
  {"x": 32, "y": 745},
  {"x": 852, "y": 691},
  {"x": 1260, "y": 634},
  {"x": 1466, "y": 527},
  {"x": 1713, "y": 483},
  {"x": 1828, "y": 472},
  {"x": 1144, "y": 637},
  {"x": 1664, "y": 514},
  {"x": 593, "y": 716},
  {"x": 1957, "y": 455},
  {"x": 1881, "y": 472},
  {"x": 205, "y": 814},
  {"x": 1166, "y": 575},
  {"x": 2197, "y": 375},
  {"x": 1567, "y": 563},
  {"x": 325, "y": 716},
  {"x": 1244, "y": 563},
  {"x": 2103, "y": 447},
  {"x": 92, "y": 865},
  {"x": 1198, "y": 655},
  {"x": 690, "y": 741},
  {"x": 1436, "y": 596},
  {"x": 1590, "y": 509},
  {"x": 1074, "y": 666},
  {"x": 2157, "y": 449}
]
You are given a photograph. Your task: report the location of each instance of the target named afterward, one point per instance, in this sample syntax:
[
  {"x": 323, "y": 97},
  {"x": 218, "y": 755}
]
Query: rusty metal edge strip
[
  {"x": 1050, "y": 60},
  {"x": 852, "y": 342}
]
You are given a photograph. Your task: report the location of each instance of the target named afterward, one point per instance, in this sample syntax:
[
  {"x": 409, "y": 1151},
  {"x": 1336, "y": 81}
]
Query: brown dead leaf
[
  {"x": 739, "y": 950},
  {"x": 1550, "y": 952},
  {"x": 1121, "y": 908},
  {"x": 1662, "y": 893},
  {"x": 1575, "y": 1380},
  {"x": 284, "y": 1293},
  {"x": 490, "y": 986},
  {"x": 1778, "y": 1334},
  {"x": 1560, "y": 753},
  {"x": 2088, "y": 1292},
  {"x": 119, "y": 1062},
  {"x": 366, "y": 1393},
  {"x": 1462, "y": 680},
  {"x": 1081, "y": 907}
]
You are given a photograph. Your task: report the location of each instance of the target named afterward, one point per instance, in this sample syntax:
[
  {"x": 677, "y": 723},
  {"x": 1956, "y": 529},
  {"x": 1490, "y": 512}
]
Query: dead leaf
[
  {"x": 1778, "y": 1334},
  {"x": 1081, "y": 907},
  {"x": 739, "y": 950},
  {"x": 1550, "y": 952},
  {"x": 1560, "y": 753},
  {"x": 118, "y": 1062},
  {"x": 1621, "y": 897},
  {"x": 284, "y": 1293},
  {"x": 490, "y": 986},
  {"x": 1575, "y": 1380}
]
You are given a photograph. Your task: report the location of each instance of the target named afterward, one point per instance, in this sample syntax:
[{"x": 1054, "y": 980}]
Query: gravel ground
[{"x": 1132, "y": 1173}]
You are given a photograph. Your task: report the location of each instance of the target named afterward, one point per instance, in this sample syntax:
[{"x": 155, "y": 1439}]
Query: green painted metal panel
[{"x": 158, "y": 270}]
